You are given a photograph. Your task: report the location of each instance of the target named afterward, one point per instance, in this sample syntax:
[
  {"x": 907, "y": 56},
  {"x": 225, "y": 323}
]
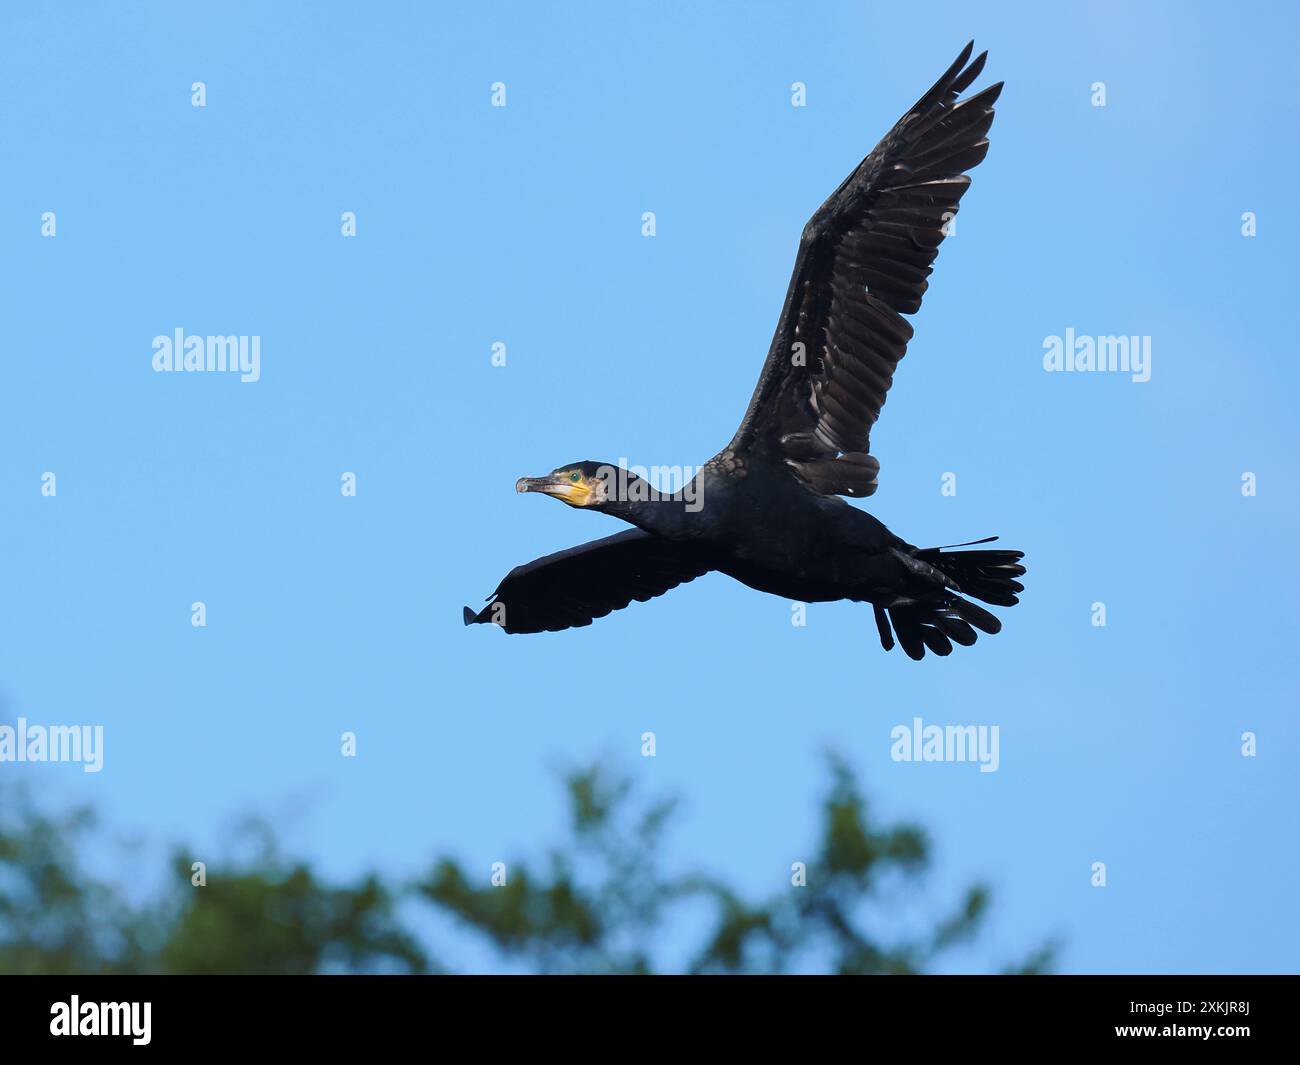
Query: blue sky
[{"x": 523, "y": 225}]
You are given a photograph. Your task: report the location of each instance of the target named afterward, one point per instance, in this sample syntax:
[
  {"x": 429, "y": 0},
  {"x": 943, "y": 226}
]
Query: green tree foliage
[
  {"x": 260, "y": 916},
  {"x": 602, "y": 901}
]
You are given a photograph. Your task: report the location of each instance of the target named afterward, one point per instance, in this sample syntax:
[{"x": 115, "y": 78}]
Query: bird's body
[
  {"x": 766, "y": 510},
  {"x": 822, "y": 549},
  {"x": 839, "y": 552}
]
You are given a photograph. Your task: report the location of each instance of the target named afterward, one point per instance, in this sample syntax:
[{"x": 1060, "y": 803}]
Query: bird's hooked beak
[{"x": 562, "y": 485}]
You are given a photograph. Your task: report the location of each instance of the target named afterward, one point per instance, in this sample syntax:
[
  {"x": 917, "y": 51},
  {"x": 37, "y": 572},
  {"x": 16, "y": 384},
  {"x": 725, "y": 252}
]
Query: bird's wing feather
[
  {"x": 863, "y": 262},
  {"x": 572, "y": 588}
]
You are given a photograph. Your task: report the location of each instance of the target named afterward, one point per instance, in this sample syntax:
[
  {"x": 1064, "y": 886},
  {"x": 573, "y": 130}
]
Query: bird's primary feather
[
  {"x": 573, "y": 587},
  {"x": 863, "y": 262}
]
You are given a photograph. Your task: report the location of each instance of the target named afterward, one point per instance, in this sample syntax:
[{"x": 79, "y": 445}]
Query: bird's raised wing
[
  {"x": 573, "y": 587},
  {"x": 863, "y": 262}
]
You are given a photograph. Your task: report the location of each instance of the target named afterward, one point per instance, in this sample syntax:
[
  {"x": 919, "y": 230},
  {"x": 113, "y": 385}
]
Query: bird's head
[{"x": 580, "y": 484}]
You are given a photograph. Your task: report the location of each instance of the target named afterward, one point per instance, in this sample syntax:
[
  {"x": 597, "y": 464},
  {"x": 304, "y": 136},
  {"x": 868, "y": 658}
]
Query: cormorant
[{"x": 766, "y": 509}]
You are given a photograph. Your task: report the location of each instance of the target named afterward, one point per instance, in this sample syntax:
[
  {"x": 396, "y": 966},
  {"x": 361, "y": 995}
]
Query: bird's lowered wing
[
  {"x": 573, "y": 587},
  {"x": 863, "y": 262}
]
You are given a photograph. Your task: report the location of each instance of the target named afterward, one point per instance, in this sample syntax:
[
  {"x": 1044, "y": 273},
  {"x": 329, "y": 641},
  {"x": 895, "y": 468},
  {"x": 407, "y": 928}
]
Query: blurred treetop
[{"x": 600, "y": 901}]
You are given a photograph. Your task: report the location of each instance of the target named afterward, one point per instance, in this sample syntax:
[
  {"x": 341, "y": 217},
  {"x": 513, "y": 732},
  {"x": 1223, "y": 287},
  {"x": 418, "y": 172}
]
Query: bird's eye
[{"x": 575, "y": 476}]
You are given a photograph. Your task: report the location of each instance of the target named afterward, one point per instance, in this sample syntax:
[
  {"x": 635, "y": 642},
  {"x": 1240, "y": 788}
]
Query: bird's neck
[{"x": 671, "y": 515}]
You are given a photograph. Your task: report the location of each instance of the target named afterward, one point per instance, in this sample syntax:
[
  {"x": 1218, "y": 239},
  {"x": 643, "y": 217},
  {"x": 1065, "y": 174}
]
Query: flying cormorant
[{"x": 766, "y": 509}]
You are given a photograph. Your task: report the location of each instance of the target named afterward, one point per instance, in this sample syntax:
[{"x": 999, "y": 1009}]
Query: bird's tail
[
  {"x": 990, "y": 576},
  {"x": 939, "y": 620}
]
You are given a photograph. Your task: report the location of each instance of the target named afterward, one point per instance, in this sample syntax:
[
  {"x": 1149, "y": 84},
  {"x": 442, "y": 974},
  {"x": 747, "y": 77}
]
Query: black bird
[{"x": 765, "y": 510}]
